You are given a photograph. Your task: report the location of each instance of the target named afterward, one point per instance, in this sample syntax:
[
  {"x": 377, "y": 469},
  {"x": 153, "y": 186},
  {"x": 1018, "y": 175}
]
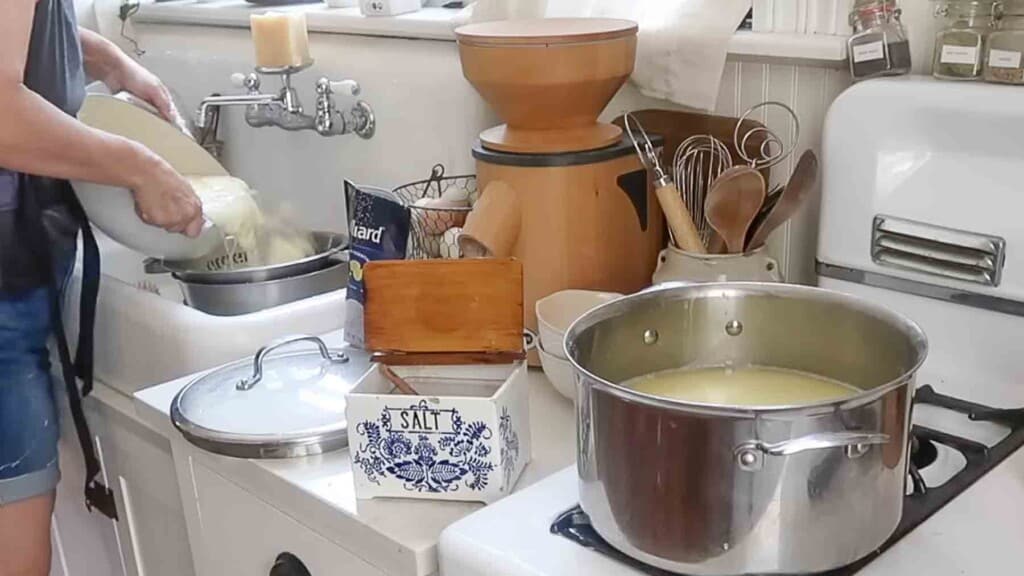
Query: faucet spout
[
  {"x": 284, "y": 109},
  {"x": 202, "y": 116}
]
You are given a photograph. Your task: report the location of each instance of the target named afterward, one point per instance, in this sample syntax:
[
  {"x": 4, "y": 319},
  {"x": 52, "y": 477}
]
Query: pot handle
[
  {"x": 257, "y": 363},
  {"x": 750, "y": 455}
]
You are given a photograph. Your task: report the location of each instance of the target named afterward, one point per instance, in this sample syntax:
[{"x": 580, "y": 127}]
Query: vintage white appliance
[
  {"x": 921, "y": 191},
  {"x": 920, "y": 213}
]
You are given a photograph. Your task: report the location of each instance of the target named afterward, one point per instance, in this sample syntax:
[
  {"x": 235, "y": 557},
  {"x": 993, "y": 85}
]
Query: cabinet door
[
  {"x": 84, "y": 543},
  {"x": 140, "y": 469},
  {"x": 244, "y": 536}
]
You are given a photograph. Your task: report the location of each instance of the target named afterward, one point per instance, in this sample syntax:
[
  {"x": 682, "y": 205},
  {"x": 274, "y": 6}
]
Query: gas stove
[{"x": 943, "y": 464}]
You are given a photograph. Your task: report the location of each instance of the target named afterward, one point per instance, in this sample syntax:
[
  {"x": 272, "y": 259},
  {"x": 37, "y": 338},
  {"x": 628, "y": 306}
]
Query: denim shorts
[{"x": 29, "y": 427}]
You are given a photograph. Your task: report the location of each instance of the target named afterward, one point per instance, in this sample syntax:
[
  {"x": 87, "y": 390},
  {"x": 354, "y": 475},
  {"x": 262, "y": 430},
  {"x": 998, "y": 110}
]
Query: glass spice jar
[
  {"x": 960, "y": 42},
  {"x": 1005, "y": 47},
  {"x": 878, "y": 46}
]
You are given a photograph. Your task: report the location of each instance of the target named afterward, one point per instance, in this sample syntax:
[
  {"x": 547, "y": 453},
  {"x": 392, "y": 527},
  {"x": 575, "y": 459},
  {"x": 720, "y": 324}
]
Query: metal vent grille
[{"x": 938, "y": 251}]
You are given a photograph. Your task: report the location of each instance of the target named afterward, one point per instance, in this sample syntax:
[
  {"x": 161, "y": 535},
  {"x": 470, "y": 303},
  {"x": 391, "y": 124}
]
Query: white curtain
[{"x": 682, "y": 44}]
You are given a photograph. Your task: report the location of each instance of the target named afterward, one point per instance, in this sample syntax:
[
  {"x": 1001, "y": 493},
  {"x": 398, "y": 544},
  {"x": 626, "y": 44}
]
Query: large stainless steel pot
[{"x": 716, "y": 490}]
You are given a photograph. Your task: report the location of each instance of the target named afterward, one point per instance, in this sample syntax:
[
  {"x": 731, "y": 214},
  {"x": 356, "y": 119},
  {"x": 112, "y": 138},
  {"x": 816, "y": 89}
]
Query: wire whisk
[
  {"x": 772, "y": 149},
  {"x": 644, "y": 148},
  {"x": 698, "y": 162}
]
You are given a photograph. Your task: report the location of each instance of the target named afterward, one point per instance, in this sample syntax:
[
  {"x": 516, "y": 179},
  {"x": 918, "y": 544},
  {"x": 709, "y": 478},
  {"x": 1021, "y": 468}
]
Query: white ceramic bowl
[
  {"x": 559, "y": 373},
  {"x": 112, "y": 209},
  {"x": 555, "y": 313}
]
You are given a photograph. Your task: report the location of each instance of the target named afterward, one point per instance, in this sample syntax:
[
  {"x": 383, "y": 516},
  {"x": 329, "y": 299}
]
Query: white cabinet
[
  {"x": 140, "y": 470},
  {"x": 150, "y": 538},
  {"x": 240, "y": 535},
  {"x": 84, "y": 543}
]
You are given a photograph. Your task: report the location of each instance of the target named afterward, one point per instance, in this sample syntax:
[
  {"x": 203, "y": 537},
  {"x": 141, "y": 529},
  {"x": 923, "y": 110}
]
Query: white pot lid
[{"x": 272, "y": 406}]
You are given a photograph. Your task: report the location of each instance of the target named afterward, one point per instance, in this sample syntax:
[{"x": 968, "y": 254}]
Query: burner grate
[{"x": 917, "y": 506}]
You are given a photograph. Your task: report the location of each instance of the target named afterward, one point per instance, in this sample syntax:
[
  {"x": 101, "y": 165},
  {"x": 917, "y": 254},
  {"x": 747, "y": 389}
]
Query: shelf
[{"x": 438, "y": 24}]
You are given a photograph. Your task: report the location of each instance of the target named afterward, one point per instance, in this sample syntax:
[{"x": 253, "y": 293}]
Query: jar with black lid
[
  {"x": 960, "y": 41},
  {"x": 1006, "y": 45},
  {"x": 878, "y": 46}
]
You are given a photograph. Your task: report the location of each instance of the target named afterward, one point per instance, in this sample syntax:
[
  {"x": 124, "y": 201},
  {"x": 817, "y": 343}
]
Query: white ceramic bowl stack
[{"x": 555, "y": 313}]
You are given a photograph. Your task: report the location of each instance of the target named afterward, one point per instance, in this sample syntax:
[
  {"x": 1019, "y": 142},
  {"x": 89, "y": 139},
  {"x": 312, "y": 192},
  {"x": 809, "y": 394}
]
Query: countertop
[{"x": 398, "y": 536}]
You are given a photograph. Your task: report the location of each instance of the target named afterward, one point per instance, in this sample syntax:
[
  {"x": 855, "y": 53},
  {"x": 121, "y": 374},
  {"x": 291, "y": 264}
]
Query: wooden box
[{"x": 452, "y": 329}]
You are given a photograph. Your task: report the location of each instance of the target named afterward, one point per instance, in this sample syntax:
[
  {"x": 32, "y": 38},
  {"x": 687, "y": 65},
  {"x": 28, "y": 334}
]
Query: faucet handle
[
  {"x": 349, "y": 87},
  {"x": 325, "y": 86},
  {"x": 250, "y": 81}
]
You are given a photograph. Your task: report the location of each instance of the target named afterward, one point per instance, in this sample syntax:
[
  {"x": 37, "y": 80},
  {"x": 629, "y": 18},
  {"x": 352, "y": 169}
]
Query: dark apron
[{"x": 97, "y": 495}]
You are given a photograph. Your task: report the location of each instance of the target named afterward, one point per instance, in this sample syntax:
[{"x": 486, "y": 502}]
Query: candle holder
[{"x": 282, "y": 70}]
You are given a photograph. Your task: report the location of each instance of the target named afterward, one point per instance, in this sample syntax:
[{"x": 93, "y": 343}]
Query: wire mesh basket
[{"x": 434, "y": 230}]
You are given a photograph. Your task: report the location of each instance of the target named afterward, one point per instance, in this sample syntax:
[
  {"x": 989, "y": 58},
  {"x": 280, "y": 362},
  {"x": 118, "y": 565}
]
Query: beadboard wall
[
  {"x": 427, "y": 113},
  {"x": 808, "y": 90}
]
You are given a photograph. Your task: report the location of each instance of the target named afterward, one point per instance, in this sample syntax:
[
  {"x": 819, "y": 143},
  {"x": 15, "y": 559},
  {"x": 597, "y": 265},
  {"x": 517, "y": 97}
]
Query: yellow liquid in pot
[{"x": 752, "y": 386}]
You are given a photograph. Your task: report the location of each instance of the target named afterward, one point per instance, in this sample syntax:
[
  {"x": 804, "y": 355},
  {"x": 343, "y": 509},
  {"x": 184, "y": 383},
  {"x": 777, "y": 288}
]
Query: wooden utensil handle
[
  {"x": 679, "y": 220},
  {"x": 446, "y": 358},
  {"x": 398, "y": 381}
]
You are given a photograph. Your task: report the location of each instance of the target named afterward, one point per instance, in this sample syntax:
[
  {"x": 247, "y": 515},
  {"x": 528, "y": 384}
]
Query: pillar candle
[{"x": 280, "y": 39}]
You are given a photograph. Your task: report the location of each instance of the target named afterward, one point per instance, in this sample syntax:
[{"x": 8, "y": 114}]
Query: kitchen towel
[{"x": 682, "y": 45}]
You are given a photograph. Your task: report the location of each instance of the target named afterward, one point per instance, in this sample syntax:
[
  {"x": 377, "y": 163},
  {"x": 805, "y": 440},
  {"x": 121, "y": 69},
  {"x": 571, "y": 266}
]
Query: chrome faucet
[{"x": 284, "y": 109}]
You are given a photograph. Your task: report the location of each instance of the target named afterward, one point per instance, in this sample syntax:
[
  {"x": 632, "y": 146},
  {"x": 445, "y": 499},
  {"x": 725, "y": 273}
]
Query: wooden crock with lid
[{"x": 549, "y": 79}]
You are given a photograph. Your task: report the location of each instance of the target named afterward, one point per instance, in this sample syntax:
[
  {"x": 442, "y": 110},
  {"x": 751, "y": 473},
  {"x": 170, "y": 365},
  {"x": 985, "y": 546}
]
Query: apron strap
[
  {"x": 97, "y": 495},
  {"x": 90, "y": 295}
]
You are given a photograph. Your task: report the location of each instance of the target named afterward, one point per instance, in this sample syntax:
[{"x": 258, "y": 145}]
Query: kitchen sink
[{"x": 146, "y": 335}]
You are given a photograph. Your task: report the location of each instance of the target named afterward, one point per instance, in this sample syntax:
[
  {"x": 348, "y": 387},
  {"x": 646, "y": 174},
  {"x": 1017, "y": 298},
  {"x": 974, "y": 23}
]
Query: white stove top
[{"x": 981, "y": 532}]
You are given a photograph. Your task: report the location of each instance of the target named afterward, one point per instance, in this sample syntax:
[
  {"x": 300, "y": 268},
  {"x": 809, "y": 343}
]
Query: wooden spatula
[
  {"x": 733, "y": 203},
  {"x": 800, "y": 186}
]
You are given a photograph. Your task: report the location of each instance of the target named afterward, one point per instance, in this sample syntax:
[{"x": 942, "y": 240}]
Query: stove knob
[{"x": 287, "y": 564}]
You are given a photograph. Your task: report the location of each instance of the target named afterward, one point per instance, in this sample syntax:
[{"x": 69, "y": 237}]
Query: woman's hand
[
  {"x": 166, "y": 200},
  {"x": 105, "y": 62},
  {"x": 131, "y": 77}
]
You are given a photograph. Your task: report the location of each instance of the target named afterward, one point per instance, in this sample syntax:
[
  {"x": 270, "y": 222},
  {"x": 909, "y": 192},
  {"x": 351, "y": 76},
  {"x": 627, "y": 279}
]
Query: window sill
[{"x": 439, "y": 23}]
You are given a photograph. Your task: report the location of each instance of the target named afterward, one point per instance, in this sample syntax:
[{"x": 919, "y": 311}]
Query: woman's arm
[
  {"x": 38, "y": 138},
  {"x": 105, "y": 62}
]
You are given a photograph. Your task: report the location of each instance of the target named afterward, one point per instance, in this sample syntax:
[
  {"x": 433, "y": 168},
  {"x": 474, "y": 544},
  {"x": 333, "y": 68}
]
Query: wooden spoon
[
  {"x": 733, "y": 203},
  {"x": 800, "y": 186}
]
